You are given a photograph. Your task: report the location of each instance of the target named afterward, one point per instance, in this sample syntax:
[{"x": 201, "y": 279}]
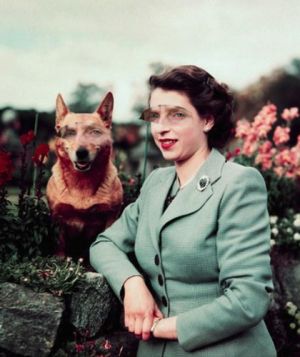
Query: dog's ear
[
  {"x": 61, "y": 110},
  {"x": 105, "y": 109}
]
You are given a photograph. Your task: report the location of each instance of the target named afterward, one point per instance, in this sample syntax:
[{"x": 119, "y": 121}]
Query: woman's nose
[
  {"x": 160, "y": 127},
  {"x": 161, "y": 124}
]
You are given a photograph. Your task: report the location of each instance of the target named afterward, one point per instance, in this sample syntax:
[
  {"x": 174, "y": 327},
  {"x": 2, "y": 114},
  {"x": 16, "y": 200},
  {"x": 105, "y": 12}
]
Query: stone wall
[{"x": 91, "y": 319}]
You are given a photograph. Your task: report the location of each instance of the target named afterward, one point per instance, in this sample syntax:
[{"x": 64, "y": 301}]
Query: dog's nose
[{"x": 82, "y": 154}]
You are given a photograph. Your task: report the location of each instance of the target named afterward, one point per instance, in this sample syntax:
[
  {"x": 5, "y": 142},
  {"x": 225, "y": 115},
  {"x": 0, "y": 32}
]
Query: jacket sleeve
[
  {"x": 245, "y": 277},
  {"x": 108, "y": 254}
]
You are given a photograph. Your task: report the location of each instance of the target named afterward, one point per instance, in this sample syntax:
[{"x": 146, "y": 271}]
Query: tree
[{"x": 86, "y": 97}]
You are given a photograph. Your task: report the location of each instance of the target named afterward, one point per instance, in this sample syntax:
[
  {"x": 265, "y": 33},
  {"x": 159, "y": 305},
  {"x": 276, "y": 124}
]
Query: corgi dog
[{"x": 84, "y": 192}]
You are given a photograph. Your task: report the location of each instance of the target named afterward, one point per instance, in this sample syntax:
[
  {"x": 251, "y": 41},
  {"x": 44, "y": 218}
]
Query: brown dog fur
[{"x": 84, "y": 192}]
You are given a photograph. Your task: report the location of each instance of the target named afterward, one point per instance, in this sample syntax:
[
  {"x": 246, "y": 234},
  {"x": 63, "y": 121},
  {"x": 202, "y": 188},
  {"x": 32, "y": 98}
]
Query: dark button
[
  {"x": 160, "y": 279},
  {"x": 156, "y": 259},
  {"x": 164, "y": 300}
]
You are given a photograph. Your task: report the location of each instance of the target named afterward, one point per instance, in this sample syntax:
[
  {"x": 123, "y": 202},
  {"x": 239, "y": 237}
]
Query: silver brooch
[{"x": 203, "y": 183}]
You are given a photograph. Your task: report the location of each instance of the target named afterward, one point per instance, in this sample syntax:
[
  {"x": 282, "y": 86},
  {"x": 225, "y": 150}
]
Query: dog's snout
[{"x": 82, "y": 154}]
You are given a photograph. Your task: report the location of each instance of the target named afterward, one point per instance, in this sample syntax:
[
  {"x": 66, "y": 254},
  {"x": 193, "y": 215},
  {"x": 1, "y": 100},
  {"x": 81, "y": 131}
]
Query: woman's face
[{"x": 183, "y": 136}]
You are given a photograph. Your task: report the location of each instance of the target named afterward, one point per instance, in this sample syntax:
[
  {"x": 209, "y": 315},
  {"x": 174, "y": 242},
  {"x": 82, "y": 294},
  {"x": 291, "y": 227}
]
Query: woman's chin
[{"x": 169, "y": 156}]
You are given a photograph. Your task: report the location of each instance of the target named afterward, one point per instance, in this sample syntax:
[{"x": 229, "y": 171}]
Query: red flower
[
  {"x": 6, "y": 168},
  {"x": 79, "y": 347},
  {"x": 234, "y": 153},
  {"x": 27, "y": 138},
  {"x": 41, "y": 152}
]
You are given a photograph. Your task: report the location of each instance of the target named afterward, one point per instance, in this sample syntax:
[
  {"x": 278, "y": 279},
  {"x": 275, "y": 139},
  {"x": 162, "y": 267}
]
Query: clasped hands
[{"x": 141, "y": 312}]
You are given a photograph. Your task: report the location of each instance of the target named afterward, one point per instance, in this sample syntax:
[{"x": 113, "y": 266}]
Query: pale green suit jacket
[{"x": 205, "y": 259}]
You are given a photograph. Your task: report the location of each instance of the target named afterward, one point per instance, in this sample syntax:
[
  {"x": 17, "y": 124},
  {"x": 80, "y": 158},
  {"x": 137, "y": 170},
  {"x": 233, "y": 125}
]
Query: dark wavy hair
[{"x": 209, "y": 98}]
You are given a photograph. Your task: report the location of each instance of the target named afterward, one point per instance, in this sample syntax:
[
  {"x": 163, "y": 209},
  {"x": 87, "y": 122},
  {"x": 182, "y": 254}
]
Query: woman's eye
[
  {"x": 178, "y": 115},
  {"x": 153, "y": 115},
  {"x": 95, "y": 132}
]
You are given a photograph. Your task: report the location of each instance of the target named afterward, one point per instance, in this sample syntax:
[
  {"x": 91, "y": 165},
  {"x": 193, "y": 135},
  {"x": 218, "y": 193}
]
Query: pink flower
[
  {"x": 263, "y": 130},
  {"x": 242, "y": 128},
  {"x": 287, "y": 162},
  {"x": 290, "y": 114},
  {"x": 265, "y": 155},
  {"x": 266, "y": 116},
  {"x": 250, "y": 144},
  {"x": 264, "y": 160},
  {"x": 264, "y": 120},
  {"x": 107, "y": 345},
  {"x": 283, "y": 158},
  {"x": 281, "y": 135},
  {"x": 266, "y": 147}
]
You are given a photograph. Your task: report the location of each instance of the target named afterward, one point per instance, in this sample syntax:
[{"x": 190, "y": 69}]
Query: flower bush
[
  {"x": 267, "y": 144},
  {"x": 26, "y": 229},
  {"x": 263, "y": 143},
  {"x": 285, "y": 231},
  {"x": 293, "y": 313}
]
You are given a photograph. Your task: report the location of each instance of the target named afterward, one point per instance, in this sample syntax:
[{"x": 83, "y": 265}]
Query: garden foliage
[
  {"x": 28, "y": 236},
  {"x": 265, "y": 144}
]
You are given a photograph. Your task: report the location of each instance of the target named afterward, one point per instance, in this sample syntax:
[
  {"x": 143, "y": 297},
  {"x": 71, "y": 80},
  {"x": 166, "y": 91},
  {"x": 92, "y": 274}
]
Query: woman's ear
[{"x": 209, "y": 123}]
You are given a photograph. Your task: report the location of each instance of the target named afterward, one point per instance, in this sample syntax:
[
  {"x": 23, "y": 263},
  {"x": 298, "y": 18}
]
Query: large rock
[
  {"x": 28, "y": 321},
  {"x": 93, "y": 304}
]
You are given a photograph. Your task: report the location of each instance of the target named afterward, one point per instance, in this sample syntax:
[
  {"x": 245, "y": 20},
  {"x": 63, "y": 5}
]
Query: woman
[{"x": 199, "y": 231}]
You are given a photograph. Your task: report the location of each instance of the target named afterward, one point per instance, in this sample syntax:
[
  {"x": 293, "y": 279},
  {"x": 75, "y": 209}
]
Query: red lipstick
[{"x": 167, "y": 143}]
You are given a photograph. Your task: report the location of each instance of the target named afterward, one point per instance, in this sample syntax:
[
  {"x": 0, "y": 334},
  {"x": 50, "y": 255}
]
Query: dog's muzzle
[
  {"x": 82, "y": 163},
  {"x": 80, "y": 166}
]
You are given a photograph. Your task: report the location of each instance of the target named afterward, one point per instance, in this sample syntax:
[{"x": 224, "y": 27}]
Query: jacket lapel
[
  {"x": 157, "y": 201},
  {"x": 190, "y": 198}
]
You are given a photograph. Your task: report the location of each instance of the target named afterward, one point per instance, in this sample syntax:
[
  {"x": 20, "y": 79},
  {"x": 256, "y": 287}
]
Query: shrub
[
  {"x": 55, "y": 275},
  {"x": 285, "y": 231},
  {"x": 262, "y": 143}
]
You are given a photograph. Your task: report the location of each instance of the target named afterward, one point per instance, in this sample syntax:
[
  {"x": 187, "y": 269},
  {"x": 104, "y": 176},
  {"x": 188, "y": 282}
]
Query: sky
[{"x": 47, "y": 46}]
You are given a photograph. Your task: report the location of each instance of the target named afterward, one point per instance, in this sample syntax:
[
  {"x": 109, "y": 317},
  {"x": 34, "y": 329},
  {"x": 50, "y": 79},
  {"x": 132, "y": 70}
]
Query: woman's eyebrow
[
  {"x": 167, "y": 106},
  {"x": 179, "y": 107},
  {"x": 91, "y": 127}
]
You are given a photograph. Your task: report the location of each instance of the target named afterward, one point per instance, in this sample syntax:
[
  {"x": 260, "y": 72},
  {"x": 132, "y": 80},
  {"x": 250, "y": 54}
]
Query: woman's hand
[
  {"x": 140, "y": 309},
  {"x": 166, "y": 328}
]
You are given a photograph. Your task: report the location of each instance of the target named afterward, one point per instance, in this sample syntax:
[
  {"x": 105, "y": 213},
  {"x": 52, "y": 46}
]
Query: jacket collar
[
  {"x": 190, "y": 198},
  {"x": 212, "y": 167}
]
